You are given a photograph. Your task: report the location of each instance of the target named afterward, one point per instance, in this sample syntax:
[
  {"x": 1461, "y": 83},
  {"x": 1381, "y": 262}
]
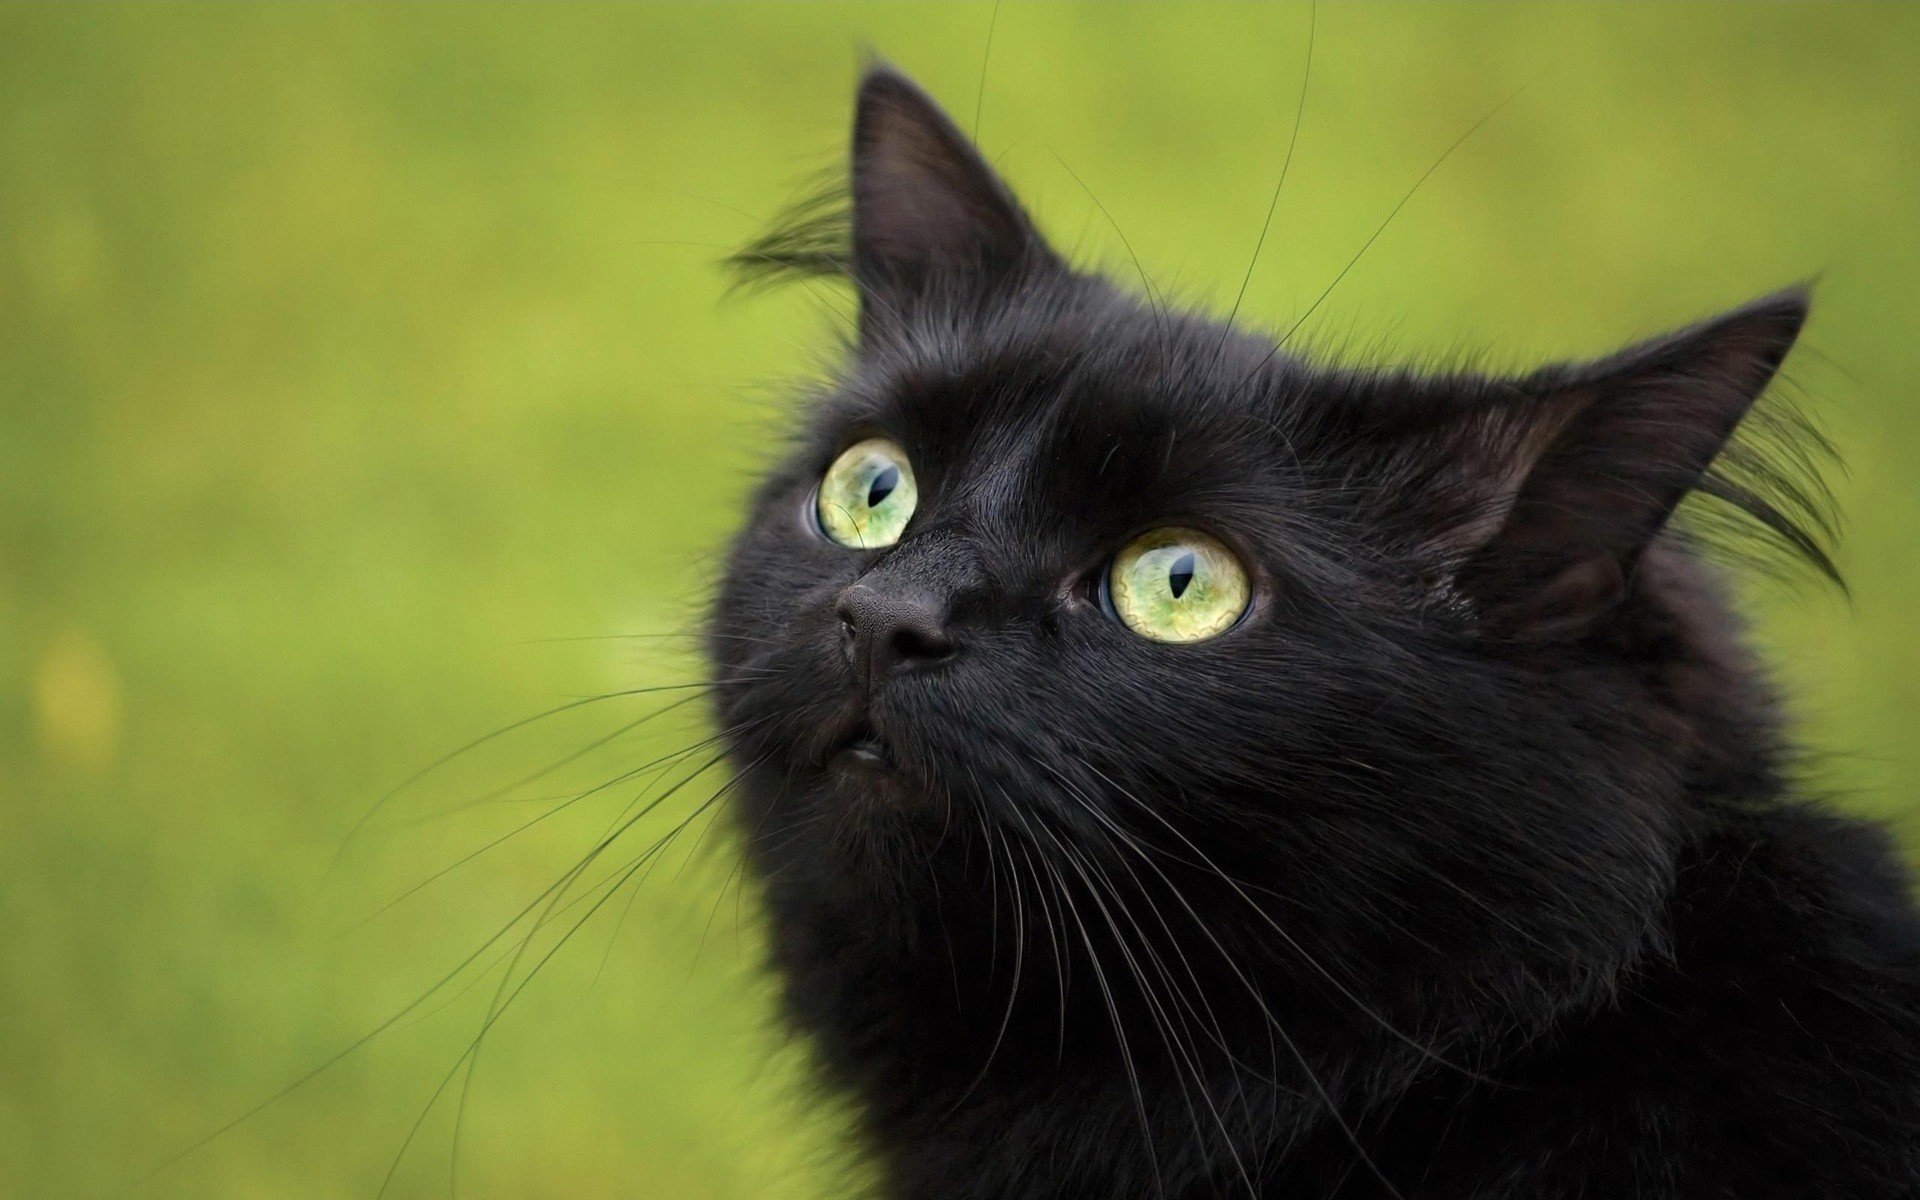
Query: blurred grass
[{"x": 346, "y": 352}]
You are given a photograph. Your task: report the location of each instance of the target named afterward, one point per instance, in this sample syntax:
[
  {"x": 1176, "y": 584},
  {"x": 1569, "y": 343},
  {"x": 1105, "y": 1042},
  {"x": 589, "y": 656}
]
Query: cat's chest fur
[{"x": 1712, "y": 1071}]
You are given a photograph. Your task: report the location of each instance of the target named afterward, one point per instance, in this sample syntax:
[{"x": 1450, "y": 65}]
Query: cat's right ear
[{"x": 931, "y": 219}]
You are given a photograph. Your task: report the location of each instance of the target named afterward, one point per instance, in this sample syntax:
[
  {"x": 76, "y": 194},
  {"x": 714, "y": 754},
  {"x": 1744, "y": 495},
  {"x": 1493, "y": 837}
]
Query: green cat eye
[
  {"x": 867, "y": 495},
  {"x": 1177, "y": 585}
]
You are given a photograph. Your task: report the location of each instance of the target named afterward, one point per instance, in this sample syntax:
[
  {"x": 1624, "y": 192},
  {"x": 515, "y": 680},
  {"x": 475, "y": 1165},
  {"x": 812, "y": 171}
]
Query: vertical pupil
[
  {"x": 1180, "y": 574},
  {"x": 883, "y": 485}
]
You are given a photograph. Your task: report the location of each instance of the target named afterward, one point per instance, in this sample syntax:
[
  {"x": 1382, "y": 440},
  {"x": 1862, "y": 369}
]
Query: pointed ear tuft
[
  {"x": 927, "y": 209},
  {"x": 1628, "y": 438}
]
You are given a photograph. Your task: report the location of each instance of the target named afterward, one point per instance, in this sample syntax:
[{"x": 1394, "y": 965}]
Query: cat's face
[
  {"x": 1055, "y": 570},
  {"x": 982, "y": 658}
]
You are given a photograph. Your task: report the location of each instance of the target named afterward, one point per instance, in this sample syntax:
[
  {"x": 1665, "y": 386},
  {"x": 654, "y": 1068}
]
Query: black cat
[{"x": 1175, "y": 770}]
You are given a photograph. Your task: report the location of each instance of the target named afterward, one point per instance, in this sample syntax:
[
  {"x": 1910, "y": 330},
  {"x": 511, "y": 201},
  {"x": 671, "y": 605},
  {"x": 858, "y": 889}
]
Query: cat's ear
[
  {"x": 929, "y": 215},
  {"x": 1597, "y": 457}
]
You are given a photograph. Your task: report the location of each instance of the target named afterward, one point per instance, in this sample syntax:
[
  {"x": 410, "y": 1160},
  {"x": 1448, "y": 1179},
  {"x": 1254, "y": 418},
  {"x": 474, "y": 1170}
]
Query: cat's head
[{"x": 1391, "y": 679}]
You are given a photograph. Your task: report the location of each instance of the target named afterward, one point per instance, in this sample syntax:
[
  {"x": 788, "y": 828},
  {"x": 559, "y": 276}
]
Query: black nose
[{"x": 884, "y": 632}]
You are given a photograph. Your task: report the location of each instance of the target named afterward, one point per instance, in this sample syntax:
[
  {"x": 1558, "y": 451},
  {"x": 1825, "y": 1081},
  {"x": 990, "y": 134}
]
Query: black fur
[{"x": 1468, "y": 865}]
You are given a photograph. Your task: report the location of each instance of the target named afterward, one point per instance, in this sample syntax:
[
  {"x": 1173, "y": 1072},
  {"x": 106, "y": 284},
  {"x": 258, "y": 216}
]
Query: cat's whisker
[
  {"x": 663, "y": 761},
  {"x": 1332, "y": 1106},
  {"x": 1286, "y": 165},
  {"x": 690, "y": 635},
  {"x": 1056, "y": 936},
  {"x": 994, "y": 838},
  {"x": 1155, "y": 302},
  {"x": 1112, "y": 1005},
  {"x": 503, "y": 1000},
  {"x": 986, "y": 57},
  {"x": 574, "y": 756},
  {"x": 1125, "y": 839},
  {"x": 396, "y": 1019},
  {"x": 1266, "y": 918},
  {"x": 1237, "y": 1067},
  {"x": 735, "y": 875},
  {"x": 1380, "y": 229},
  {"x": 508, "y": 953},
  {"x": 353, "y": 831},
  {"x": 1182, "y": 1055}
]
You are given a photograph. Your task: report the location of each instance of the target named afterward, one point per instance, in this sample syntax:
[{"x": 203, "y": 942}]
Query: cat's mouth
[
  {"x": 858, "y": 743},
  {"x": 862, "y": 746},
  {"x": 868, "y": 751}
]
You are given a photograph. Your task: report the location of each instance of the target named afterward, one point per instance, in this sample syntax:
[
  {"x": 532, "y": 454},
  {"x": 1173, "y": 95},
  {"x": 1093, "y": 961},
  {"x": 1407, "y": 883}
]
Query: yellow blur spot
[{"x": 77, "y": 703}]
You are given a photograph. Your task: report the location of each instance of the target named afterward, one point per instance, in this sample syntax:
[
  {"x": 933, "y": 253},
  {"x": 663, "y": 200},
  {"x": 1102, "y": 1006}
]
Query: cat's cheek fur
[{"x": 1471, "y": 866}]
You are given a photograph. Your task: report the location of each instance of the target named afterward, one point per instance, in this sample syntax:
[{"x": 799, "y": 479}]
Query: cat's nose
[{"x": 884, "y": 632}]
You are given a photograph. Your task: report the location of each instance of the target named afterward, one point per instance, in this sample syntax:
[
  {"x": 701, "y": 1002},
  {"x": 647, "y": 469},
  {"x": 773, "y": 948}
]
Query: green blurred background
[{"x": 352, "y": 358}]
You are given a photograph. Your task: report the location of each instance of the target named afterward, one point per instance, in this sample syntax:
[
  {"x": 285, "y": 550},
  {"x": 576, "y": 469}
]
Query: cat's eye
[
  {"x": 867, "y": 495},
  {"x": 1177, "y": 585}
]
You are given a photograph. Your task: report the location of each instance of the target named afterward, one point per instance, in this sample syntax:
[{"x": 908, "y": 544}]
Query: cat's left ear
[
  {"x": 1599, "y": 455},
  {"x": 930, "y": 217}
]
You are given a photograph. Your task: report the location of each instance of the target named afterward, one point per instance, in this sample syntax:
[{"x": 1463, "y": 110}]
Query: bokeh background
[{"x": 365, "y": 370}]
